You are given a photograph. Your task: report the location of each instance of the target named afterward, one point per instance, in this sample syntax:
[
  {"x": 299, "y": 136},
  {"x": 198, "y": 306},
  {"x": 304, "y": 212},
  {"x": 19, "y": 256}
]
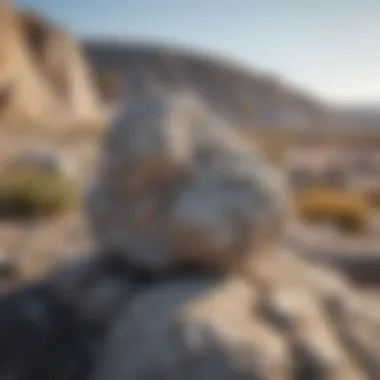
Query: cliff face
[{"x": 44, "y": 77}]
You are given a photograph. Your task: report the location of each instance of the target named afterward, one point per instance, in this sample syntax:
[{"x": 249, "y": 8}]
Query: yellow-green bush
[
  {"x": 348, "y": 211},
  {"x": 28, "y": 193}
]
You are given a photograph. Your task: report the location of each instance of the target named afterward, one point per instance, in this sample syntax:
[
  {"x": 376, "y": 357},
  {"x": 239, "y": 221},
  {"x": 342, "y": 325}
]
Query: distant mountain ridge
[{"x": 248, "y": 98}]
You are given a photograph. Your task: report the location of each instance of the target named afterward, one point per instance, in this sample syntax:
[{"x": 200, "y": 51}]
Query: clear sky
[{"x": 331, "y": 47}]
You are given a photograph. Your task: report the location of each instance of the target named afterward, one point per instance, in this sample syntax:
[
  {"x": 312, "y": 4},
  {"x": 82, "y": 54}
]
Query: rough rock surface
[
  {"x": 93, "y": 287},
  {"x": 285, "y": 320},
  {"x": 44, "y": 76},
  {"x": 178, "y": 186},
  {"x": 41, "y": 339}
]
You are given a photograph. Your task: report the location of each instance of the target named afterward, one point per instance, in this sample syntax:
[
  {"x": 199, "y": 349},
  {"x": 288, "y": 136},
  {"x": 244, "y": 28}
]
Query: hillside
[
  {"x": 251, "y": 99},
  {"x": 46, "y": 75}
]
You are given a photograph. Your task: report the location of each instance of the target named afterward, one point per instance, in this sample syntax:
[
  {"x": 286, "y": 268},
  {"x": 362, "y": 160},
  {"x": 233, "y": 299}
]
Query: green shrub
[
  {"x": 29, "y": 193},
  {"x": 348, "y": 211}
]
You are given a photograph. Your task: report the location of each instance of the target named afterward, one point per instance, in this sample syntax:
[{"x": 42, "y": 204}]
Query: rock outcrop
[
  {"x": 191, "y": 280},
  {"x": 173, "y": 192},
  {"x": 44, "y": 75},
  {"x": 285, "y": 321}
]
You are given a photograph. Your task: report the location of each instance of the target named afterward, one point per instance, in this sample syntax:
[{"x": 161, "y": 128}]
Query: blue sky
[{"x": 329, "y": 47}]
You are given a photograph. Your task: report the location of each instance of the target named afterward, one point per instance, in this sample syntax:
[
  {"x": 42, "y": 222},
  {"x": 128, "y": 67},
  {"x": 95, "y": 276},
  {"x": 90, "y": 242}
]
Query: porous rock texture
[{"x": 177, "y": 186}]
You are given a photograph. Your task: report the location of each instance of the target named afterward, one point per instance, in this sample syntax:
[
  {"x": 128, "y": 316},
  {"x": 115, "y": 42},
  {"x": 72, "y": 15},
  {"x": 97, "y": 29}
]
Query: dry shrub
[
  {"x": 348, "y": 211},
  {"x": 30, "y": 193}
]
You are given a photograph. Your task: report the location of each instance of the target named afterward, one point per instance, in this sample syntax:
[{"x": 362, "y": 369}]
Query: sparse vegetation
[
  {"x": 28, "y": 193},
  {"x": 348, "y": 211}
]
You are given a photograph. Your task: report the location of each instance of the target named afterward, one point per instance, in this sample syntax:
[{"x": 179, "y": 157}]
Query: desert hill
[{"x": 249, "y": 98}]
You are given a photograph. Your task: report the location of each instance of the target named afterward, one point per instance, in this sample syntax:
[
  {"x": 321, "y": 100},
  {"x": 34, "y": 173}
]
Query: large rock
[
  {"x": 95, "y": 289},
  {"x": 25, "y": 95},
  {"x": 45, "y": 78},
  {"x": 178, "y": 186},
  {"x": 40, "y": 338},
  {"x": 281, "y": 319}
]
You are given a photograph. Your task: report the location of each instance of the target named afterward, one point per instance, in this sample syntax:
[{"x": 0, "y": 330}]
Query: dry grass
[
  {"x": 27, "y": 193},
  {"x": 350, "y": 212}
]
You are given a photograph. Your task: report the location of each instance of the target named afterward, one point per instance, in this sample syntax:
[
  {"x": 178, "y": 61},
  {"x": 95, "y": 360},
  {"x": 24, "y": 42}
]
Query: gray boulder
[
  {"x": 177, "y": 185},
  {"x": 280, "y": 319},
  {"x": 176, "y": 188}
]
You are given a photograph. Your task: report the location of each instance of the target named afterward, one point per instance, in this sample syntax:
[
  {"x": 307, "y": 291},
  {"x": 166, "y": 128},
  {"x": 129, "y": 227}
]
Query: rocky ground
[
  {"x": 189, "y": 230},
  {"x": 37, "y": 245}
]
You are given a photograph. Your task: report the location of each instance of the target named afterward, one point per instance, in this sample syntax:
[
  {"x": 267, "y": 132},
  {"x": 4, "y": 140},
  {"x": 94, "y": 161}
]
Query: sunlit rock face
[
  {"x": 178, "y": 186},
  {"x": 281, "y": 320},
  {"x": 45, "y": 78}
]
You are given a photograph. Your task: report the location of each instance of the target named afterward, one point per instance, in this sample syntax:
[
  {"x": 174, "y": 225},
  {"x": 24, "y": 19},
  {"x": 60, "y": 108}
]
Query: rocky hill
[
  {"x": 46, "y": 75},
  {"x": 250, "y": 99}
]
